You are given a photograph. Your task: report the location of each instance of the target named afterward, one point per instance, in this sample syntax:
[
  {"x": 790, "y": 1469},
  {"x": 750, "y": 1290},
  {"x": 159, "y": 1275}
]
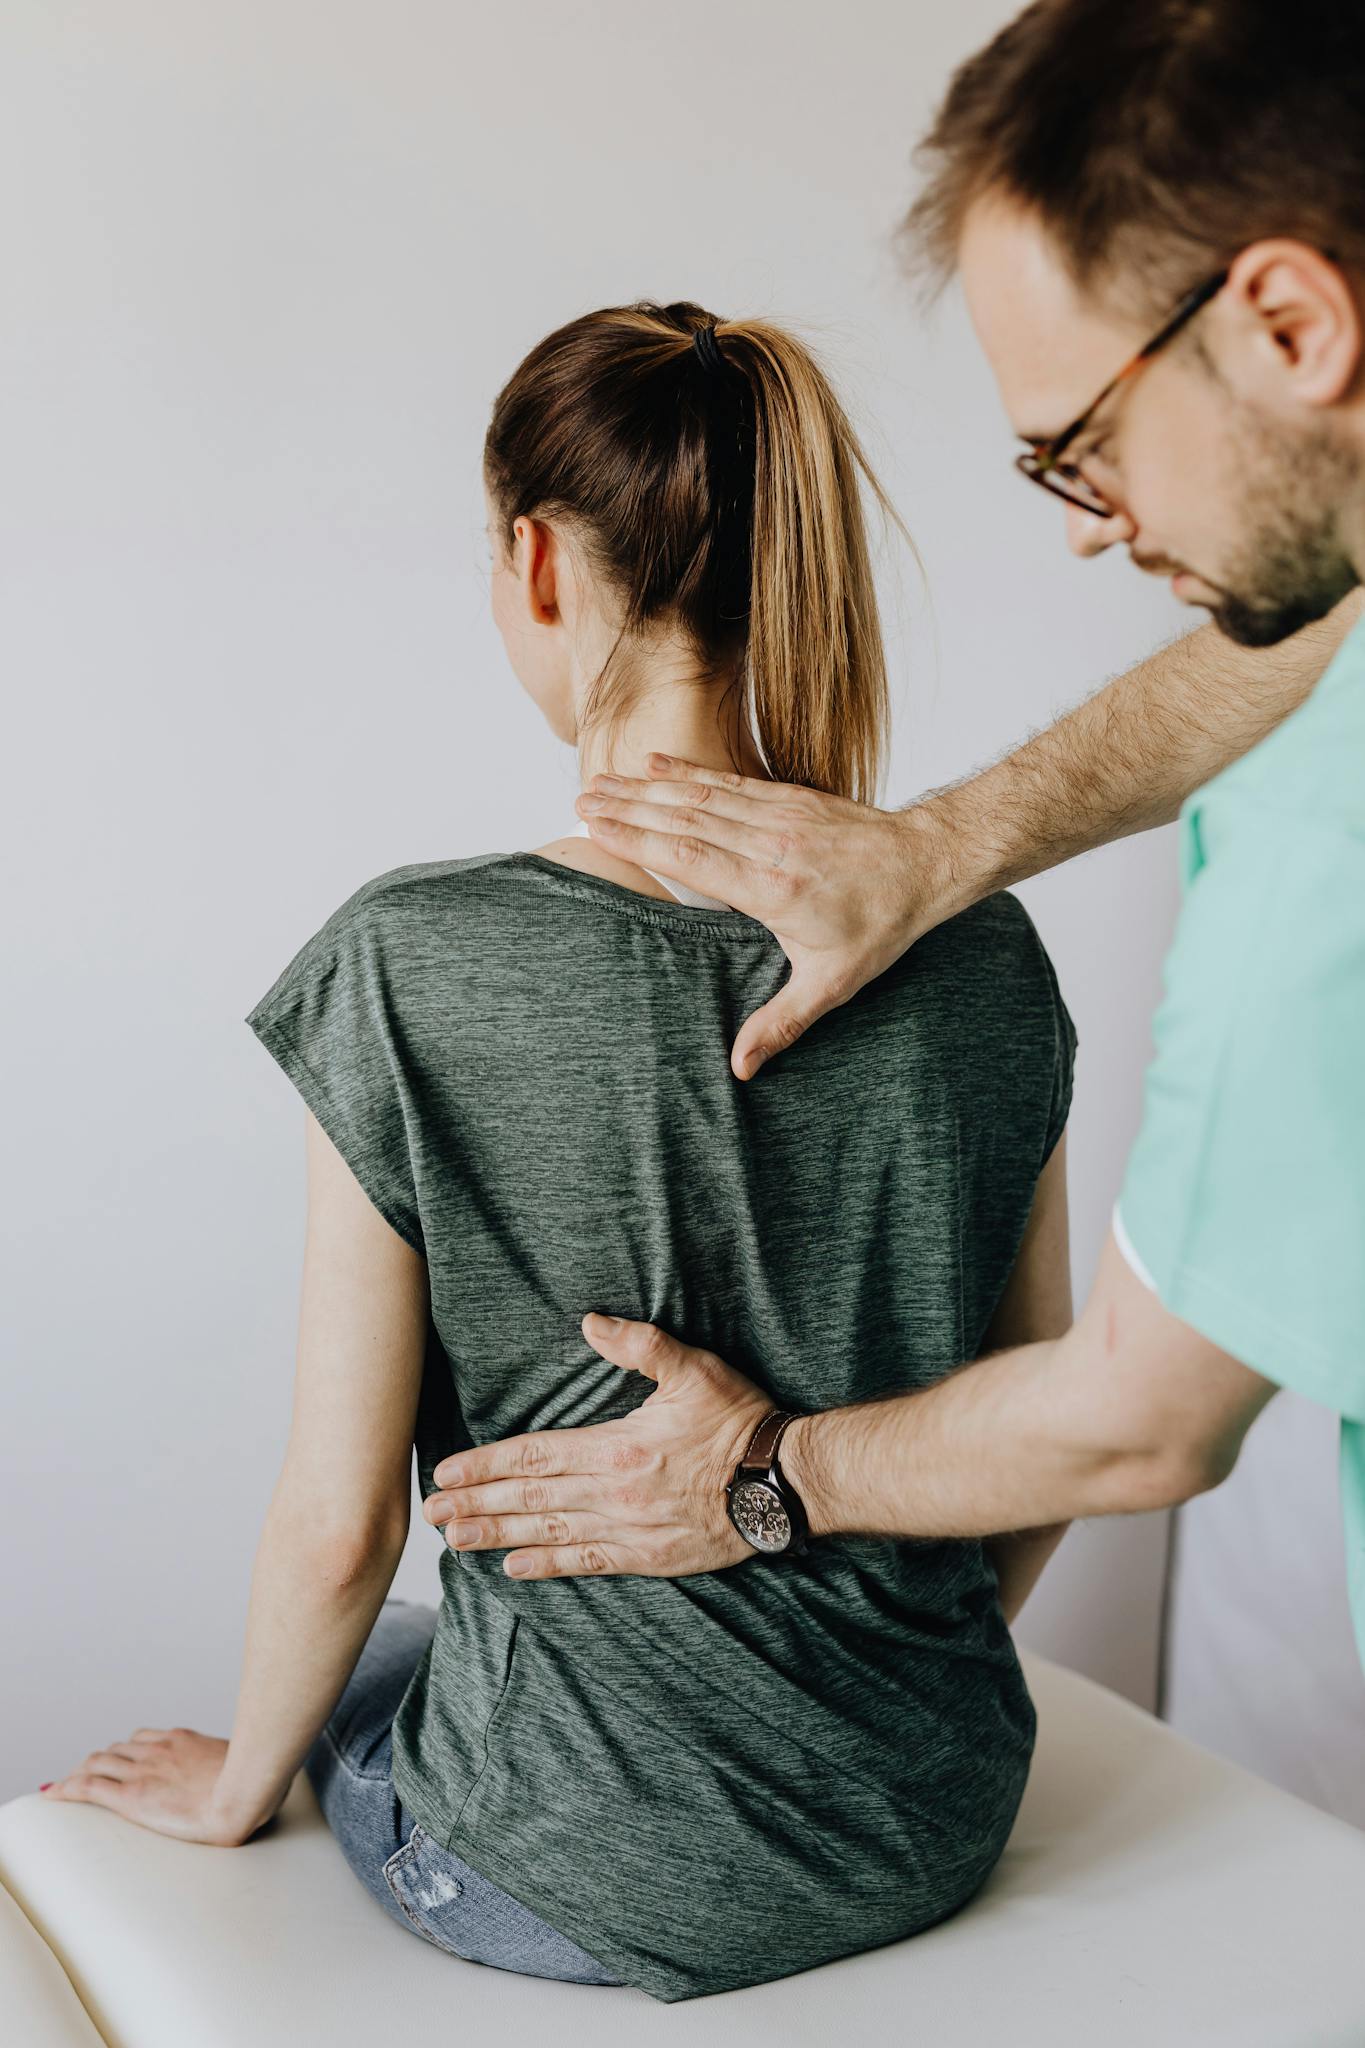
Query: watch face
[{"x": 759, "y": 1515}]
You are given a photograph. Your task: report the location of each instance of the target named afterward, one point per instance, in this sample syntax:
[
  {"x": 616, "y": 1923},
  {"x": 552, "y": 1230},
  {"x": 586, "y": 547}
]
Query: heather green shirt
[
  {"x": 717, "y": 1780},
  {"x": 1244, "y": 1202}
]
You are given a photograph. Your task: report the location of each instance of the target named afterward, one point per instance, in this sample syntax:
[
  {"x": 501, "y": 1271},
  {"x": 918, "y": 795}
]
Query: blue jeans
[{"x": 425, "y": 1888}]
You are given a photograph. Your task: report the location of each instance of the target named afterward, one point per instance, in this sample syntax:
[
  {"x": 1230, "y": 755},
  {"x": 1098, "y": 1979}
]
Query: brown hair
[
  {"x": 1155, "y": 138},
  {"x": 721, "y": 502}
]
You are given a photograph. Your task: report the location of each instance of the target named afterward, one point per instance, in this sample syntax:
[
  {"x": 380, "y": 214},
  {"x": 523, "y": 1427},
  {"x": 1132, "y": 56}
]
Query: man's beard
[{"x": 1290, "y": 566}]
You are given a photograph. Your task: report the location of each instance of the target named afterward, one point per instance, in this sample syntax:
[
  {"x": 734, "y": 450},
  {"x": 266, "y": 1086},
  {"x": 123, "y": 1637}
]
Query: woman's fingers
[
  {"x": 165, "y": 1780},
  {"x": 118, "y": 1763},
  {"x": 91, "y": 1788},
  {"x": 119, "y": 1760}
]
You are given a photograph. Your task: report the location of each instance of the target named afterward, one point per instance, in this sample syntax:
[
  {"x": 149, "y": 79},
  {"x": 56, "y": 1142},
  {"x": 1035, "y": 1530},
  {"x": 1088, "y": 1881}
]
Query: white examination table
[{"x": 1151, "y": 1896}]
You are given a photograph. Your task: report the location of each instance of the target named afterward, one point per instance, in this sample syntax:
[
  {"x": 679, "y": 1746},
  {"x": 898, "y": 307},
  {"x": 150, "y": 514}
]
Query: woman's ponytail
[
  {"x": 713, "y": 480},
  {"x": 815, "y": 657}
]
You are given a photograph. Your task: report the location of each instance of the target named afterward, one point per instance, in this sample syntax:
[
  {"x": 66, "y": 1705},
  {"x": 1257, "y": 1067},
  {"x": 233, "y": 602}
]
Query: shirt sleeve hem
[
  {"x": 1257, "y": 1341},
  {"x": 282, "y": 1049},
  {"x": 1130, "y": 1252}
]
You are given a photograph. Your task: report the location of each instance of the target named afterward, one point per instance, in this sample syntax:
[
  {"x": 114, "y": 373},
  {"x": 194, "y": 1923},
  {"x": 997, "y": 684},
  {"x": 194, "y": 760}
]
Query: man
[{"x": 1170, "y": 288}]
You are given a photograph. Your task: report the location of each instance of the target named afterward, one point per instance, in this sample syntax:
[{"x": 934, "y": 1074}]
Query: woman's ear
[
  {"x": 538, "y": 564},
  {"x": 1291, "y": 314}
]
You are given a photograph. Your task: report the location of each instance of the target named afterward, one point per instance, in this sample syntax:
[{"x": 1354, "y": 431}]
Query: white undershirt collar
[{"x": 678, "y": 889}]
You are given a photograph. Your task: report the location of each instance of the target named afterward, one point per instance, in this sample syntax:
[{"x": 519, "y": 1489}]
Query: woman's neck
[{"x": 691, "y": 721}]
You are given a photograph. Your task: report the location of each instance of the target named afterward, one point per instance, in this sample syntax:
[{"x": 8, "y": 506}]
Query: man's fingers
[
  {"x": 466, "y": 1531},
  {"x": 496, "y": 1497},
  {"x": 674, "y": 768},
  {"x": 638, "y": 1347},
  {"x": 779, "y": 1024},
  {"x": 569, "y": 1561},
  {"x": 760, "y": 838},
  {"x": 539, "y": 1454},
  {"x": 753, "y": 886},
  {"x": 714, "y": 796}
]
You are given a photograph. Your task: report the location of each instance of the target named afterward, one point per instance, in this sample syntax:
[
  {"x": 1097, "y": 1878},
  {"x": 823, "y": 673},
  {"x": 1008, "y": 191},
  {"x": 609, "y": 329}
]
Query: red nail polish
[{"x": 51, "y": 1781}]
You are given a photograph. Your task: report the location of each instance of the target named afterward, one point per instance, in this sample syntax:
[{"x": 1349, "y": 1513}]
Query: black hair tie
[{"x": 708, "y": 349}]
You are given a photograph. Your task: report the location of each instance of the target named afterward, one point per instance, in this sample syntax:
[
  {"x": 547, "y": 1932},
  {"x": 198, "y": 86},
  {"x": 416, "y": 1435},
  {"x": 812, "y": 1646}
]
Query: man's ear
[{"x": 1292, "y": 314}]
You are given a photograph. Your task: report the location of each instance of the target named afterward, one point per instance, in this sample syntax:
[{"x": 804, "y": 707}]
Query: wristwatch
[{"x": 760, "y": 1500}]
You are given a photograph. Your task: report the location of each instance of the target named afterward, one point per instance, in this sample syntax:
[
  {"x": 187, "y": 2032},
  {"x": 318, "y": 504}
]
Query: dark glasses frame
[{"x": 1040, "y": 463}]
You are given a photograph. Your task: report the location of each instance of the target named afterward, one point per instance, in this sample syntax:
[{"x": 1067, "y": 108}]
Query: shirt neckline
[
  {"x": 679, "y": 890},
  {"x": 642, "y": 909}
]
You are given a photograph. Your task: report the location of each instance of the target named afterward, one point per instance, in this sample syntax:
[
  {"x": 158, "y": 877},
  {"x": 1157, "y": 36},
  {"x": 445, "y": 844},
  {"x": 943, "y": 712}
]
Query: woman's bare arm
[
  {"x": 338, "y": 1521},
  {"x": 334, "y": 1531},
  {"x": 1036, "y": 1304}
]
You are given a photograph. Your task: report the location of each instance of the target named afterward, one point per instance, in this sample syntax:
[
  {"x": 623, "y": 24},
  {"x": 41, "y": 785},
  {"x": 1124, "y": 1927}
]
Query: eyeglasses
[{"x": 1041, "y": 463}]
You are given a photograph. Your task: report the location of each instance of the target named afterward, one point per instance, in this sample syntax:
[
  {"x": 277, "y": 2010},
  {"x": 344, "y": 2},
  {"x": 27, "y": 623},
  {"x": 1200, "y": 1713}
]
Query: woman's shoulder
[
  {"x": 421, "y": 886},
  {"x": 391, "y": 913},
  {"x": 993, "y": 937},
  {"x": 987, "y": 974}
]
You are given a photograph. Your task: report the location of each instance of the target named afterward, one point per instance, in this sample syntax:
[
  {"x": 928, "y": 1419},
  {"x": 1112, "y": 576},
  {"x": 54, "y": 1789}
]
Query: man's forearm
[
  {"x": 1125, "y": 759},
  {"x": 1018, "y": 1440}
]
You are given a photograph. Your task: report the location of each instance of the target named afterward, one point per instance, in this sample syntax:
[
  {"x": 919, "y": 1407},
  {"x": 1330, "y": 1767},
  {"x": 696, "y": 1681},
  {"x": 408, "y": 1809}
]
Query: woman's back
[{"x": 720, "y": 1779}]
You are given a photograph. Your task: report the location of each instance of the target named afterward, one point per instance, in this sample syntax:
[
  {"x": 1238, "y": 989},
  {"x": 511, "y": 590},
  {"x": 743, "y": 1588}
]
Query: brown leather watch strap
[{"x": 762, "y": 1447}]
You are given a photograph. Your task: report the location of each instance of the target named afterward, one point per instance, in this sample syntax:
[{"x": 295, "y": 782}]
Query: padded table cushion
[
  {"x": 1150, "y": 1893},
  {"x": 38, "y": 2007}
]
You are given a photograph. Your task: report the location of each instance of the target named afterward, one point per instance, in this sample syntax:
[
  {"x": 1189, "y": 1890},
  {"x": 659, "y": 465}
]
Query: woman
[{"x": 520, "y": 1110}]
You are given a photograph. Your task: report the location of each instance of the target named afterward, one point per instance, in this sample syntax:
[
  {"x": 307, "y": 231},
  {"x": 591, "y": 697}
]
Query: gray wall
[{"x": 266, "y": 266}]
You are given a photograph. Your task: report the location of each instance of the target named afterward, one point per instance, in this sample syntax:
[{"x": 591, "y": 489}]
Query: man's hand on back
[
  {"x": 644, "y": 1495},
  {"x": 846, "y": 888},
  {"x": 843, "y": 887}
]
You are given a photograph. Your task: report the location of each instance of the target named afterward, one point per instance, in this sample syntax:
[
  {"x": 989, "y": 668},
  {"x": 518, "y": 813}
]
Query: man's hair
[{"x": 1155, "y": 138}]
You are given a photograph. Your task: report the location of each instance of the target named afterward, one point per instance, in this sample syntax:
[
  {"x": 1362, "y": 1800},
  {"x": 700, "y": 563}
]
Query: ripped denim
[{"x": 427, "y": 1889}]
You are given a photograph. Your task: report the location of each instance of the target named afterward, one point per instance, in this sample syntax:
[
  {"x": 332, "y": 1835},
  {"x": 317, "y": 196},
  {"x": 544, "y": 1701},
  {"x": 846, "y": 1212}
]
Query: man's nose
[{"x": 1088, "y": 534}]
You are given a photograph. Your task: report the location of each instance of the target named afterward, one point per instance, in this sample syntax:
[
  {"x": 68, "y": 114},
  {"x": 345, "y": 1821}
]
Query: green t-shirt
[
  {"x": 717, "y": 1780},
  {"x": 1245, "y": 1195}
]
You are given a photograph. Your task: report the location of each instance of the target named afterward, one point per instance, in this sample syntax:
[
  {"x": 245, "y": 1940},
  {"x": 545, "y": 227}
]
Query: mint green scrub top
[{"x": 1244, "y": 1200}]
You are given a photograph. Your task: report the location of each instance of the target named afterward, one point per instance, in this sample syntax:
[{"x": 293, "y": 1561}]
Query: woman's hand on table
[
  {"x": 643, "y": 1495},
  {"x": 165, "y": 1779}
]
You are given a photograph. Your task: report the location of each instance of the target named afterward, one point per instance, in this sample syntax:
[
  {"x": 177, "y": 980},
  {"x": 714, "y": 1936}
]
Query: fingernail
[
  {"x": 50, "y": 1783},
  {"x": 591, "y": 803},
  {"x": 516, "y": 1567},
  {"x": 607, "y": 1322},
  {"x": 660, "y": 761},
  {"x": 606, "y": 782}
]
